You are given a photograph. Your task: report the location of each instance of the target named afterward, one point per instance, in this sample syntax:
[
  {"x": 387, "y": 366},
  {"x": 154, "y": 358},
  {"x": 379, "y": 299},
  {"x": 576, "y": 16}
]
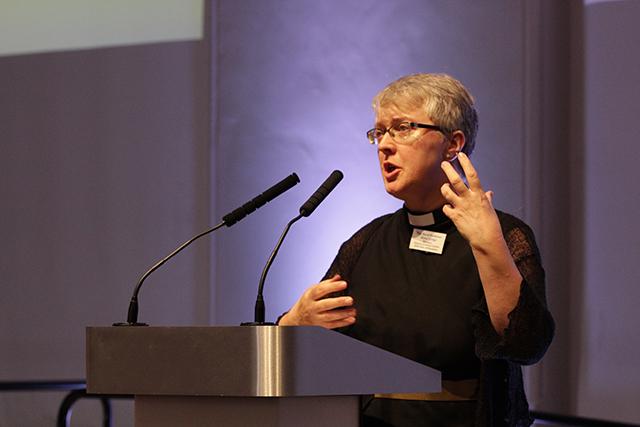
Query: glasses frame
[{"x": 413, "y": 125}]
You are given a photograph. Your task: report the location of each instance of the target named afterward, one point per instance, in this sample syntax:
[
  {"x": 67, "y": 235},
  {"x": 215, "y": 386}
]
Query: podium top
[{"x": 260, "y": 361}]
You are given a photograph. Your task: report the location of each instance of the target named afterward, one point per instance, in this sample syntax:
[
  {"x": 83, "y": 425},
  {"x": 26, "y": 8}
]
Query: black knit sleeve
[{"x": 531, "y": 326}]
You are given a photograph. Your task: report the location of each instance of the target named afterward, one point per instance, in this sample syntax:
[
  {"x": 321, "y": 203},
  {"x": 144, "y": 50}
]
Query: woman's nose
[{"x": 386, "y": 144}]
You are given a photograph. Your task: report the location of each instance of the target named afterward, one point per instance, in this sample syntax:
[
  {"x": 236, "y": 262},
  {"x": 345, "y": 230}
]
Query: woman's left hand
[{"x": 470, "y": 208}]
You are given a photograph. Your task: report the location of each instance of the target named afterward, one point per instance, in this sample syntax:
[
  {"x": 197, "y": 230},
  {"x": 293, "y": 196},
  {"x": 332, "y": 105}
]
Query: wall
[
  {"x": 104, "y": 170},
  {"x": 607, "y": 343}
]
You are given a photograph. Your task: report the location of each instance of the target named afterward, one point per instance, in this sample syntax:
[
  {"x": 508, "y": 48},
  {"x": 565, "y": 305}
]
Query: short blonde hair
[{"x": 447, "y": 102}]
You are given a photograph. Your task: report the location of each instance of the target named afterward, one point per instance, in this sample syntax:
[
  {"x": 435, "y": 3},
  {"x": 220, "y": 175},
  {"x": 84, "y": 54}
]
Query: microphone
[
  {"x": 228, "y": 220},
  {"x": 305, "y": 210},
  {"x": 259, "y": 201},
  {"x": 323, "y": 191}
]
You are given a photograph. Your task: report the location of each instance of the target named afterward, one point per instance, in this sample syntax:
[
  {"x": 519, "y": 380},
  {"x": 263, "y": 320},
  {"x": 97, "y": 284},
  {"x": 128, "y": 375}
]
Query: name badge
[{"x": 427, "y": 241}]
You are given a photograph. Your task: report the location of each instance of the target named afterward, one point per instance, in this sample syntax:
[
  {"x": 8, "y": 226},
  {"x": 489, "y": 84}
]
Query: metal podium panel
[{"x": 258, "y": 361}]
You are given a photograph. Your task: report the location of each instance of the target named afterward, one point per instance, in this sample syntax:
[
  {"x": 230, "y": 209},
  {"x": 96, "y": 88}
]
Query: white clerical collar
[{"x": 421, "y": 220}]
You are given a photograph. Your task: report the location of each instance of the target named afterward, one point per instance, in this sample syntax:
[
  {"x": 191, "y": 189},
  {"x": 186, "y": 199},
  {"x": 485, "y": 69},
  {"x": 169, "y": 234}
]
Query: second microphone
[{"x": 325, "y": 188}]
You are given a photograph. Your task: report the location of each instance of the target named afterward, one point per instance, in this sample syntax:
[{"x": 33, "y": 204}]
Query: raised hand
[{"x": 470, "y": 208}]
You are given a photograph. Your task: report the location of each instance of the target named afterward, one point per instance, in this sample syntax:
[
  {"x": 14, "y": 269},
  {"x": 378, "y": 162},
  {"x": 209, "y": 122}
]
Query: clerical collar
[{"x": 421, "y": 220}]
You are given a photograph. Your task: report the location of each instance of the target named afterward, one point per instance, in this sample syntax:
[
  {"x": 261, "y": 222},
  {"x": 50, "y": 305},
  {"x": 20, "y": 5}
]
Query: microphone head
[
  {"x": 321, "y": 193},
  {"x": 258, "y": 201}
]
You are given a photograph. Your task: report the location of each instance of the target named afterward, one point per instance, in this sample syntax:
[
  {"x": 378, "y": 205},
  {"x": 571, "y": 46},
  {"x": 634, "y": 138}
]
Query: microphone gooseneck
[
  {"x": 228, "y": 220},
  {"x": 305, "y": 210},
  {"x": 132, "y": 313},
  {"x": 259, "y": 310}
]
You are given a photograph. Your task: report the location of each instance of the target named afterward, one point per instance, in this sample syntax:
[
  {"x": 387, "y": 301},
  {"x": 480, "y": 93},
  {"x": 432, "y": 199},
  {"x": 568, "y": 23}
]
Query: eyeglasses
[{"x": 400, "y": 132}]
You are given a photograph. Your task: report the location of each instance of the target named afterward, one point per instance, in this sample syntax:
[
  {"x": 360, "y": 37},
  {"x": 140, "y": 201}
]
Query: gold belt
[{"x": 451, "y": 390}]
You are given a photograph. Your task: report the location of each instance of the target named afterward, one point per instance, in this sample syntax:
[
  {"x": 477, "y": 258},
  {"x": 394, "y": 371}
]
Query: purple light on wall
[{"x": 295, "y": 84}]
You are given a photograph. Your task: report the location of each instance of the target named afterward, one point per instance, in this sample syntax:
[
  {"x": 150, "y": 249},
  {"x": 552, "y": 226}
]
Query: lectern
[{"x": 268, "y": 376}]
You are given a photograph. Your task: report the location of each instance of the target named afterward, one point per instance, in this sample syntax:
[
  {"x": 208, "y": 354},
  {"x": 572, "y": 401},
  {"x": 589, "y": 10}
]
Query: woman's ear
[{"x": 455, "y": 145}]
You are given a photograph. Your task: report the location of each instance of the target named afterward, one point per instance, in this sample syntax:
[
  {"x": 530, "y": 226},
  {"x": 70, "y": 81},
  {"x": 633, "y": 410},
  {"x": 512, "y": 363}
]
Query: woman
[{"x": 447, "y": 280}]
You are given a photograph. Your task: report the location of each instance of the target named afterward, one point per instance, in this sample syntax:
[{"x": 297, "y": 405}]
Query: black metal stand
[{"x": 77, "y": 390}]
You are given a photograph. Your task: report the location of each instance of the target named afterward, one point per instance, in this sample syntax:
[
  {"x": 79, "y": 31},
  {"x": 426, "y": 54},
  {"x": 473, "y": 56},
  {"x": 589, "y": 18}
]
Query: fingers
[
  {"x": 315, "y": 307},
  {"x": 449, "y": 195},
  {"x": 341, "y": 323},
  {"x": 470, "y": 172},
  {"x": 456, "y": 188},
  {"x": 337, "y": 318},
  {"x": 337, "y": 315},
  {"x": 326, "y": 287},
  {"x": 331, "y": 319},
  {"x": 327, "y": 304},
  {"x": 454, "y": 178},
  {"x": 448, "y": 211}
]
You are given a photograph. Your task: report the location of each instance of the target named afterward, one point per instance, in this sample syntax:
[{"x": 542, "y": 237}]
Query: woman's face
[{"x": 411, "y": 171}]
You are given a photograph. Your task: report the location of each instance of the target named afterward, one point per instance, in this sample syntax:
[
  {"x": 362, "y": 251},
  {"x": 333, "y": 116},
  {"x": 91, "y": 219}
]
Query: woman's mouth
[{"x": 390, "y": 170}]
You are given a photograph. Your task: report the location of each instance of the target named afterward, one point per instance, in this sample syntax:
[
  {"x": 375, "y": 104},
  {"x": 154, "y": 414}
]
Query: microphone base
[
  {"x": 257, "y": 324},
  {"x": 129, "y": 324}
]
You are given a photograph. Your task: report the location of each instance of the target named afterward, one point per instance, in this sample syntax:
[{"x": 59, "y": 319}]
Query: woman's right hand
[{"x": 313, "y": 308}]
